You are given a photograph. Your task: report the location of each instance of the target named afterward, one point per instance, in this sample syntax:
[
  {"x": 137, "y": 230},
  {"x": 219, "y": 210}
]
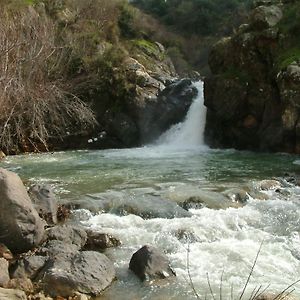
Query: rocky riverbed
[{"x": 185, "y": 199}]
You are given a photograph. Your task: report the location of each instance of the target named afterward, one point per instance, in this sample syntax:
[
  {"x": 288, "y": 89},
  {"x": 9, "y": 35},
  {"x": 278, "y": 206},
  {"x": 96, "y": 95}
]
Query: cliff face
[{"x": 253, "y": 97}]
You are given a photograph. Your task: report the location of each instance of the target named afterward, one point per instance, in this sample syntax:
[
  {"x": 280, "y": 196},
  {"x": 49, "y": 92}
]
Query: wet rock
[
  {"x": 266, "y": 185},
  {"x": 145, "y": 206},
  {"x": 10, "y": 294},
  {"x": 99, "y": 241},
  {"x": 20, "y": 226},
  {"x": 86, "y": 272},
  {"x": 4, "y": 275},
  {"x": 186, "y": 236},
  {"x": 68, "y": 234},
  {"x": 149, "y": 263},
  {"x": 237, "y": 195},
  {"x": 28, "y": 267},
  {"x": 45, "y": 202},
  {"x": 188, "y": 197},
  {"x": 23, "y": 284}
]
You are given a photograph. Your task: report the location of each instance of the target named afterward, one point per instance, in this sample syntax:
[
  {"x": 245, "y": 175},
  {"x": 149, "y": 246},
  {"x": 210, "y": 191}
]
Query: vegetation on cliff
[{"x": 62, "y": 67}]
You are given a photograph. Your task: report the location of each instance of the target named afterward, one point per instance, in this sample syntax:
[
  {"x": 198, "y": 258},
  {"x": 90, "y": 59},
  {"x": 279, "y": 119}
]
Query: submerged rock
[
  {"x": 86, "y": 272},
  {"x": 149, "y": 263},
  {"x": 145, "y": 206},
  {"x": 188, "y": 197},
  {"x": 20, "y": 226}
]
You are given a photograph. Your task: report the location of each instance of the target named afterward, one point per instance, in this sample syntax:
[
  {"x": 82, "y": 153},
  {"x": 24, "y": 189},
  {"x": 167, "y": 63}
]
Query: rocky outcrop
[
  {"x": 253, "y": 97},
  {"x": 148, "y": 100},
  {"x": 148, "y": 263},
  {"x": 20, "y": 226}
]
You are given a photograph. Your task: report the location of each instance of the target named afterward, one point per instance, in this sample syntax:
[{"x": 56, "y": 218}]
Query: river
[{"x": 221, "y": 237}]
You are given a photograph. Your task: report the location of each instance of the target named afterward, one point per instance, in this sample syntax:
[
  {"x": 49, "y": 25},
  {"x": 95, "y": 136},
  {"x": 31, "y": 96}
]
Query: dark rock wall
[{"x": 253, "y": 97}]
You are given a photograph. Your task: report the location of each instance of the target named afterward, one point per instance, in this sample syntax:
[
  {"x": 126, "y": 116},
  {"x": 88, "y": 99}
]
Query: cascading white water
[{"x": 190, "y": 132}]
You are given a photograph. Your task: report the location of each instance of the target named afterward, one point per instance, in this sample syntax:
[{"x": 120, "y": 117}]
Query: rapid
[{"x": 234, "y": 209}]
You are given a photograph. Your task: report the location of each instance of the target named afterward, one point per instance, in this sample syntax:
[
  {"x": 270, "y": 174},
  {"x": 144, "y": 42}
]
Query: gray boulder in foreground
[
  {"x": 21, "y": 228},
  {"x": 149, "y": 263},
  {"x": 86, "y": 272}
]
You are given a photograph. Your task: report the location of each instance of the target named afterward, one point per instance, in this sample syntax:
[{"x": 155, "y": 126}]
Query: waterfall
[{"x": 190, "y": 132}]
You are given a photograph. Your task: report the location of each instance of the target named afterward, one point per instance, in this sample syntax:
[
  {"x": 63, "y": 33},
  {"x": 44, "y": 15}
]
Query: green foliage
[
  {"x": 126, "y": 21},
  {"x": 287, "y": 57},
  {"x": 202, "y": 17},
  {"x": 290, "y": 23}
]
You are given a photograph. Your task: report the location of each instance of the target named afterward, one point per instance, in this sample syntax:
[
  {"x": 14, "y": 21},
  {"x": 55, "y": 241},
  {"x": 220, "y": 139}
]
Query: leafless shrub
[{"x": 34, "y": 104}]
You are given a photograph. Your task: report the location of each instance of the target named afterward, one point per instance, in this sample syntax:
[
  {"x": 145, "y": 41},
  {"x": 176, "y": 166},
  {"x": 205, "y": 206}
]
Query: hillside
[
  {"x": 79, "y": 75},
  {"x": 195, "y": 26}
]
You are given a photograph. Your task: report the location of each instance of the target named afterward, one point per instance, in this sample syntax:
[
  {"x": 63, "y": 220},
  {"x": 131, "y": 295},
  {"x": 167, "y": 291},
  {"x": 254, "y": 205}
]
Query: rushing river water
[{"x": 222, "y": 234}]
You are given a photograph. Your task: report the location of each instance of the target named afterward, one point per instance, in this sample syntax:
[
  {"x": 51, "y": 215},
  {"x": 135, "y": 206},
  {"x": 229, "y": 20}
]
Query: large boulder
[
  {"x": 148, "y": 263},
  {"x": 20, "y": 225},
  {"x": 85, "y": 272}
]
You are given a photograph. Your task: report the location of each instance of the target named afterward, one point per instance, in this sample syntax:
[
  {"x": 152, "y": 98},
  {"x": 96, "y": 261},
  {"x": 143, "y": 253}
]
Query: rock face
[
  {"x": 20, "y": 226},
  {"x": 148, "y": 99},
  {"x": 149, "y": 263},
  {"x": 253, "y": 97},
  {"x": 86, "y": 272}
]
